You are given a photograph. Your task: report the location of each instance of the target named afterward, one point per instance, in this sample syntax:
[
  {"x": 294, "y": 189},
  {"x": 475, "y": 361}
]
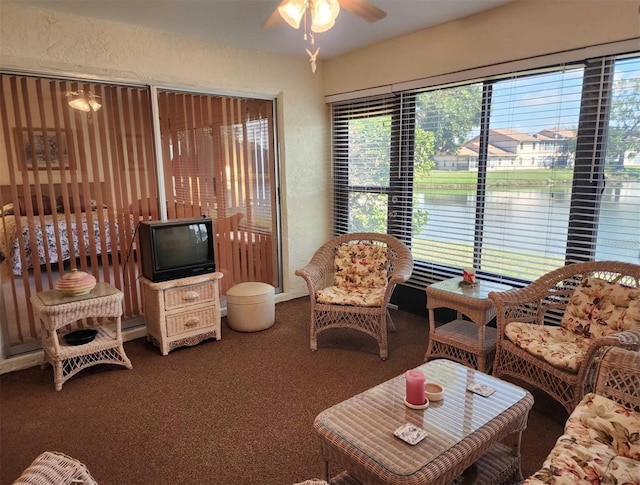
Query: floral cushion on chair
[
  {"x": 336, "y": 295},
  {"x": 558, "y": 346},
  {"x": 360, "y": 265},
  {"x": 600, "y": 444},
  {"x": 599, "y": 308},
  {"x": 360, "y": 276}
]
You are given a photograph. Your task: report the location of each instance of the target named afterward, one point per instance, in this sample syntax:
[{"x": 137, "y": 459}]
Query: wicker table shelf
[
  {"x": 101, "y": 309},
  {"x": 469, "y": 342}
]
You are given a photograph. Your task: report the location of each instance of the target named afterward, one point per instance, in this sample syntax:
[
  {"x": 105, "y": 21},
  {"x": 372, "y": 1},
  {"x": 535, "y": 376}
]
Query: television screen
[
  {"x": 177, "y": 248},
  {"x": 182, "y": 245}
]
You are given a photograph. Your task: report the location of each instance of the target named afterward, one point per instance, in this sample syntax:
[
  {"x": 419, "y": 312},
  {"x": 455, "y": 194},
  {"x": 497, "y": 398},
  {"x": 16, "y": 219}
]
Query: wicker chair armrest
[
  {"x": 519, "y": 305},
  {"x": 629, "y": 340},
  {"x": 619, "y": 376},
  {"x": 518, "y": 299},
  {"x": 314, "y": 276},
  {"x": 402, "y": 269}
]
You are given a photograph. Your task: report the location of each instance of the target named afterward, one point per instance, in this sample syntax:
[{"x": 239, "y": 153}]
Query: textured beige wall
[
  {"x": 43, "y": 41},
  {"x": 514, "y": 31}
]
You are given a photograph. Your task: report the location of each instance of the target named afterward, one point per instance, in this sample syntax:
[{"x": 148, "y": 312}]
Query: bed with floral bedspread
[{"x": 47, "y": 230}]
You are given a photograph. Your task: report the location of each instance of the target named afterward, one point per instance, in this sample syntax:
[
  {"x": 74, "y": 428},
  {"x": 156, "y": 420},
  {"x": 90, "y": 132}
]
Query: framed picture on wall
[{"x": 41, "y": 149}]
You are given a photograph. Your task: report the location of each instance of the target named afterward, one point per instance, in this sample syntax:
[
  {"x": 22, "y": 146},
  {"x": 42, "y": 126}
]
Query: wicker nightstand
[
  {"x": 102, "y": 309},
  {"x": 182, "y": 312}
]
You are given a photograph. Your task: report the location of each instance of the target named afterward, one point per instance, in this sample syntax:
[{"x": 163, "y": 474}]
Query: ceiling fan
[
  {"x": 319, "y": 16},
  {"x": 361, "y": 8},
  {"x": 84, "y": 101}
]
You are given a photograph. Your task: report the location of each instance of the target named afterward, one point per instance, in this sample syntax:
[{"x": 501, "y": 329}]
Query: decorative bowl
[
  {"x": 75, "y": 283},
  {"x": 79, "y": 337},
  {"x": 433, "y": 391}
]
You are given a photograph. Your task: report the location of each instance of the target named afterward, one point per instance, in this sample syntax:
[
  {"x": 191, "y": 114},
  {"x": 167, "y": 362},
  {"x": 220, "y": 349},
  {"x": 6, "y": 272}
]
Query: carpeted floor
[{"x": 235, "y": 411}]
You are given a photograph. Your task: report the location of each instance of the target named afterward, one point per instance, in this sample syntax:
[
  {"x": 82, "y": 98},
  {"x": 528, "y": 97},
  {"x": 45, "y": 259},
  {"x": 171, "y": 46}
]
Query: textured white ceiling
[{"x": 239, "y": 22}]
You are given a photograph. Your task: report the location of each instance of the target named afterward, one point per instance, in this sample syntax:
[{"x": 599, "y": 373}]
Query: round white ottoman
[{"x": 251, "y": 306}]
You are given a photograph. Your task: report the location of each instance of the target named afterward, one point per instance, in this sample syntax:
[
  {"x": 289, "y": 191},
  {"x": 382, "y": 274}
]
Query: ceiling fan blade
[
  {"x": 363, "y": 9},
  {"x": 275, "y": 19}
]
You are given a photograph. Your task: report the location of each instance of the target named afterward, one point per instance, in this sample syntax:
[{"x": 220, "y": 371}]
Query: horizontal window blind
[
  {"x": 618, "y": 235},
  {"x": 363, "y": 153},
  {"x": 514, "y": 176},
  {"x": 530, "y": 167}
]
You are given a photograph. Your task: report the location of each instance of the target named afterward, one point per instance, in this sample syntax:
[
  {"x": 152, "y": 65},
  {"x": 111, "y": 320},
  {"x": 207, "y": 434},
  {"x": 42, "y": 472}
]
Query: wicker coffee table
[
  {"x": 469, "y": 342},
  {"x": 463, "y": 429}
]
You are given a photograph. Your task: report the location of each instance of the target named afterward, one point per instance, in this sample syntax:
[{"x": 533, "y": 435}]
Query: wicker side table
[
  {"x": 469, "y": 342},
  {"x": 101, "y": 309}
]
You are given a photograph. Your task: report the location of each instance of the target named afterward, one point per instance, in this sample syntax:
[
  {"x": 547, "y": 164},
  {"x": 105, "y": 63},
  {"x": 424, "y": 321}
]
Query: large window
[{"x": 515, "y": 175}]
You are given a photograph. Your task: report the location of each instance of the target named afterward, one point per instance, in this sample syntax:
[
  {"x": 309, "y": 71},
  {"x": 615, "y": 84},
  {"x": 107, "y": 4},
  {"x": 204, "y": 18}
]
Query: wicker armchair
[
  {"x": 356, "y": 297},
  {"x": 559, "y": 359},
  {"x": 55, "y": 468}
]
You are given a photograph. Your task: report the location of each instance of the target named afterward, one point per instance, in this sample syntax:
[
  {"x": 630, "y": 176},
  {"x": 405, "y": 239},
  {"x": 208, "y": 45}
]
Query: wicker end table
[
  {"x": 469, "y": 342},
  {"x": 465, "y": 431},
  {"x": 101, "y": 309}
]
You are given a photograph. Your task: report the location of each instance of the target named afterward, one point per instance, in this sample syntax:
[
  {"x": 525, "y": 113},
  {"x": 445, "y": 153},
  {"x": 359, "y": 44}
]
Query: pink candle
[{"x": 415, "y": 387}]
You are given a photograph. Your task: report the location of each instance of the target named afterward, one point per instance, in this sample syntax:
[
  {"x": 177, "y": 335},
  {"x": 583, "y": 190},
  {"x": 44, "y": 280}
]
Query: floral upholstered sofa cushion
[
  {"x": 597, "y": 308},
  {"x": 600, "y": 445},
  {"x": 360, "y": 276}
]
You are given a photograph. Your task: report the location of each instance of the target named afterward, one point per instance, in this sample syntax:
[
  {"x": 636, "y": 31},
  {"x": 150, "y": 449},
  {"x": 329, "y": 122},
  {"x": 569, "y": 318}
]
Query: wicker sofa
[{"x": 601, "y": 441}]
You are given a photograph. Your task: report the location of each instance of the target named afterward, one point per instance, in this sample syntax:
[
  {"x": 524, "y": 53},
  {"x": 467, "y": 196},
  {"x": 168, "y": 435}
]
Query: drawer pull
[
  {"x": 192, "y": 322},
  {"x": 191, "y": 295}
]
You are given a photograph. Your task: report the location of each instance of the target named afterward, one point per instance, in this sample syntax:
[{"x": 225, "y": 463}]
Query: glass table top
[
  {"x": 479, "y": 292},
  {"x": 367, "y": 421},
  {"x": 56, "y": 297}
]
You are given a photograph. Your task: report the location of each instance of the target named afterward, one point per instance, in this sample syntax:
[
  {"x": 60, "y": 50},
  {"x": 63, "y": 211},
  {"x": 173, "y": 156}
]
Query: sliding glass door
[
  {"x": 219, "y": 160},
  {"x": 79, "y": 171},
  {"x": 76, "y": 154}
]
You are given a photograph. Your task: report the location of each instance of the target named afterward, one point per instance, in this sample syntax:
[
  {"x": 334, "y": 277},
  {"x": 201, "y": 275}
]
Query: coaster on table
[
  {"x": 410, "y": 433},
  {"x": 481, "y": 389},
  {"x": 417, "y": 406}
]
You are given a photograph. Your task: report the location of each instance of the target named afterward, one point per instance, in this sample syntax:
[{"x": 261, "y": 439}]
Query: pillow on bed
[
  {"x": 72, "y": 208},
  {"x": 46, "y": 205},
  {"x": 93, "y": 204},
  {"x": 7, "y": 209}
]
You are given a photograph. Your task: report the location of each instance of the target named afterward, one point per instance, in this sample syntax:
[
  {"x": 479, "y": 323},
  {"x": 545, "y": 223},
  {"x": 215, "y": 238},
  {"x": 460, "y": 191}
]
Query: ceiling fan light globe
[
  {"x": 317, "y": 28},
  {"x": 94, "y": 105},
  {"x": 292, "y": 12},
  {"x": 324, "y": 14}
]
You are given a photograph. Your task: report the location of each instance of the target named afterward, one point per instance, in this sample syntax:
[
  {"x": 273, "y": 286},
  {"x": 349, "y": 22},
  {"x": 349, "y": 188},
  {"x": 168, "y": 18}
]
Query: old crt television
[{"x": 176, "y": 249}]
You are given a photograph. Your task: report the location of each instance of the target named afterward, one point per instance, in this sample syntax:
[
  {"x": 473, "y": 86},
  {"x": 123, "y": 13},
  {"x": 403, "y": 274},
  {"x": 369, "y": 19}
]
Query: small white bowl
[{"x": 433, "y": 391}]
